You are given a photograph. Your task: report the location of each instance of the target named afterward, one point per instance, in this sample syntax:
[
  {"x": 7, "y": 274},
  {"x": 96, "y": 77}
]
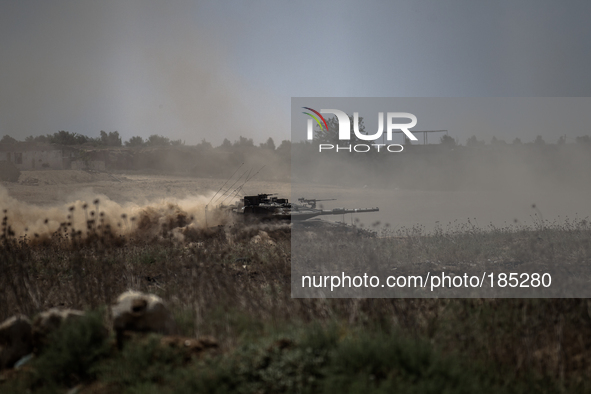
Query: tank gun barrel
[
  {"x": 304, "y": 214},
  {"x": 340, "y": 211}
]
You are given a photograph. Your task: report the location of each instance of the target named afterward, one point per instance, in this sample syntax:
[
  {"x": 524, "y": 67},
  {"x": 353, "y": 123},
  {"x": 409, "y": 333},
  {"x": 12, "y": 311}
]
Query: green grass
[{"x": 311, "y": 358}]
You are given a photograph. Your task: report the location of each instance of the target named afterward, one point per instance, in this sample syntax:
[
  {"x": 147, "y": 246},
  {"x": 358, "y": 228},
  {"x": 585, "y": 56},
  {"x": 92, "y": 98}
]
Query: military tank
[{"x": 267, "y": 207}]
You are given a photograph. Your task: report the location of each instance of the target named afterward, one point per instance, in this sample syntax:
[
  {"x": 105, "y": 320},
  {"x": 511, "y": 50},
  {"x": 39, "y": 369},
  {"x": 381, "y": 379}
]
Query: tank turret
[{"x": 265, "y": 207}]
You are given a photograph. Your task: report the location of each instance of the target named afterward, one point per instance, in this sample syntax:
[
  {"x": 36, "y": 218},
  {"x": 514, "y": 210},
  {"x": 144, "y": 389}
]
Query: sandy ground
[
  {"x": 398, "y": 208},
  {"x": 52, "y": 187},
  {"x": 451, "y": 209}
]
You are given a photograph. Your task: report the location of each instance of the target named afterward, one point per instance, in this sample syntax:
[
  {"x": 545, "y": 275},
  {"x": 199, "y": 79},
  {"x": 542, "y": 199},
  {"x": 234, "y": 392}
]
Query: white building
[{"x": 32, "y": 156}]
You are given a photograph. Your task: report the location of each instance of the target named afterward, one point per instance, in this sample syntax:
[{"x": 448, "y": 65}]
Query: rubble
[
  {"x": 140, "y": 312},
  {"x": 16, "y": 340}
]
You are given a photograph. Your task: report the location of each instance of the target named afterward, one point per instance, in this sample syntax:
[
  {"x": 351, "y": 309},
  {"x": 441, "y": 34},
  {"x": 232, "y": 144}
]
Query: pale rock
[{"x": 140, "y": 312}]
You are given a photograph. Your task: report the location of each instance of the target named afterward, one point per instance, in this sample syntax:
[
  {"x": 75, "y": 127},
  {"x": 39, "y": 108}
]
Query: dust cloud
[
  {"x": 90, "y": 211},
  {"x": 437, "y": 186},
  {"x": 135, "y": 67}
]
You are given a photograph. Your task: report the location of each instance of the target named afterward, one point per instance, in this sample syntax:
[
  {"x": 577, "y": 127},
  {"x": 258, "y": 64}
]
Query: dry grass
[{"x": 220, "y": 283}]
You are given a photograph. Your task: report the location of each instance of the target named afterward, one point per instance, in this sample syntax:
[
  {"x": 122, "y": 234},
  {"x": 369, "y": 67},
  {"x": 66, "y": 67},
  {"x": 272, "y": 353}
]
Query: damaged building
[
  {"x": 32, "y": 156},
  {"x": 35, "y": 156}
]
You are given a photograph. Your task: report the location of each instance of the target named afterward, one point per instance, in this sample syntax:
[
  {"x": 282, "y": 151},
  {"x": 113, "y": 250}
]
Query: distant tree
[
  {"x": 361, "y": 128},
  {"x": 561, "y": 140},
  {"x": 583, "y": 140},
  {"x": 135, "y": 141},
  {"x": 63, "y": 137},
  {"x": 496, "y": 141},
  {"x": 331, "y": 135},
  {"x": 285, "y": 146},
  {"x": 328, "y": 135},
  {"x": 111, "y": 139},
  {"x": 177, "y": 142},
  {"x": 473, "y": 141},
  {"x": 226, "y": 143},
  {"x": 270, "y": 144},
  {"x": 244, "y": 142},
  {"x": 517, "y": 141},
  {"x": 204, "y": 145},
  {"x": 8, "y": 140},
  {"x": 539, "y": 140},
  {"x": 448, "y": 141},
  {"x": 157, "y": 140}
]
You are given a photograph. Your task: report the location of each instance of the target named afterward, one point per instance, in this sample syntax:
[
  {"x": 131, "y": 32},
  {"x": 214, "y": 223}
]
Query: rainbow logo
[{"x": 315, "y": 118}]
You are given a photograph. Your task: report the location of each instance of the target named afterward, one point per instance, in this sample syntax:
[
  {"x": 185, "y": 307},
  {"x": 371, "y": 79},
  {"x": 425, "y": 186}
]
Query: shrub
[{"x": 71, "y": 351}]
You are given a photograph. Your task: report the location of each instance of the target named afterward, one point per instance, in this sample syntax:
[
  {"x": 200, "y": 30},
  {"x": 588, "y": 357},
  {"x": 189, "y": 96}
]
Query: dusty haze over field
[
  {"x": 478, "y": 185},
  {"x": 493, "y": 181},
  {"x": 156, "y": 198},
  {"x": 483, "y": 184}
]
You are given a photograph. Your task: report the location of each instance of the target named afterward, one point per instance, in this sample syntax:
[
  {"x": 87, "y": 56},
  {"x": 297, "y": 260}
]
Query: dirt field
[
  {"x": 433, "y": 208},
  {"x": 399, "y": 208},
  {"x": 48, "y": 188}
]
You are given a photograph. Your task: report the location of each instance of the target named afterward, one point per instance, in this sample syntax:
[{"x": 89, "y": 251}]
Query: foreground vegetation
[{"x": 234, "y": 284}]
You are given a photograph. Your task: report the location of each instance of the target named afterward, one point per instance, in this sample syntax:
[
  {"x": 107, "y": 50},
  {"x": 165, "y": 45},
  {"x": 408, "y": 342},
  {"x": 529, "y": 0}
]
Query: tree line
[
  {"x": 330, "y": 135},
  {"x": 113, "y": 139}
]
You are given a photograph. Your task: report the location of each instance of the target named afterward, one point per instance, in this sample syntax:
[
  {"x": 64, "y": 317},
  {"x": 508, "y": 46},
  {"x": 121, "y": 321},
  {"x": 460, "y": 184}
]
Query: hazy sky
[{"x": 215, "y": 70}]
